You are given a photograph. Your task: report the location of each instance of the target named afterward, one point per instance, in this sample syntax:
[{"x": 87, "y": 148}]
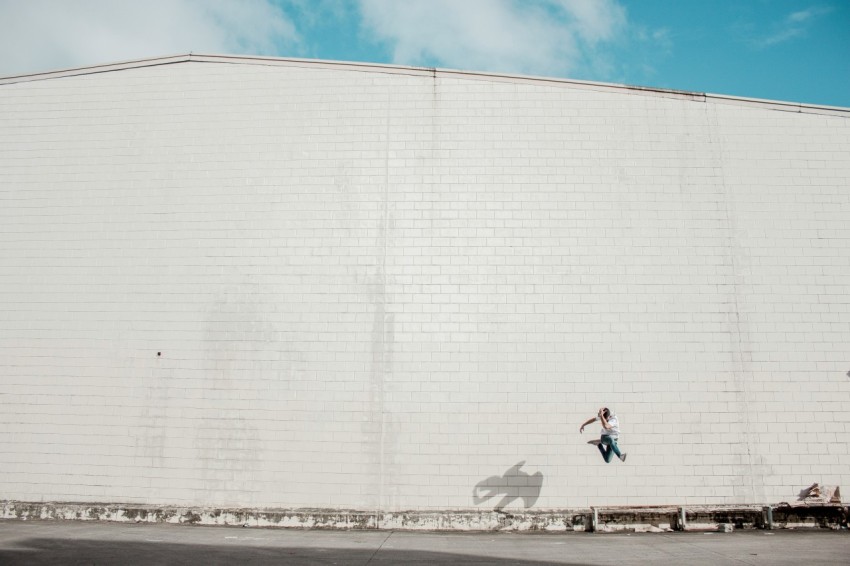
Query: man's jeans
[{"x": 608, "y": 446}]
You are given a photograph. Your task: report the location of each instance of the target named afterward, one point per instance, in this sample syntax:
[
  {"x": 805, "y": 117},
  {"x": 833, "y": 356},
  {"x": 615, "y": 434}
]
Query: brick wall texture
[{"x": 325, "y": 286}]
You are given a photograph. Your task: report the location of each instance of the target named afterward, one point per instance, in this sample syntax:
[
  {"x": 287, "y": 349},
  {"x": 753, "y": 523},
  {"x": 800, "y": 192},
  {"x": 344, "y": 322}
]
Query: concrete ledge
[
  {"x": 827, "y": 515},
  {"x": 554, "y": 521},
  {"x": 717, "y": 518},
  {"x": 669, "y": 518},
  {"x": 597, "y": 519}
]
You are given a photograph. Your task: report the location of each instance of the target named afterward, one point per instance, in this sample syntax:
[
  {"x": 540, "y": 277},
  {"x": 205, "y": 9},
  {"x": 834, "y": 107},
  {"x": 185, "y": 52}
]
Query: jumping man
[{"x": 607, "y": 443}]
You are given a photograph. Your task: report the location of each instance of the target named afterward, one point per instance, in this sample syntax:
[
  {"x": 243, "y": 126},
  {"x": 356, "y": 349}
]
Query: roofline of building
[{"x": 435, "y": 73}]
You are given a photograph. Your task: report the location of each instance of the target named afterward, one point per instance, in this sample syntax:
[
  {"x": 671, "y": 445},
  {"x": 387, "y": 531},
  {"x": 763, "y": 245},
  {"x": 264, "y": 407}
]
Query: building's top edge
[
  {"x": 433, "y": 72},
  {"x": 92, "y": 69}
]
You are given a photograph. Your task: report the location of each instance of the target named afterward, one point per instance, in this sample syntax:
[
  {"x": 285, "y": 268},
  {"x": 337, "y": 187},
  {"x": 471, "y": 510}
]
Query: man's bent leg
[
  {"x": 616, "y": 449},
  {"x": 605, "y": 448}
]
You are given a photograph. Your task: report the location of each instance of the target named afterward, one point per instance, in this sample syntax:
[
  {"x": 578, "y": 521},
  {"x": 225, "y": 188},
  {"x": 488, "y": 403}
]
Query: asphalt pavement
[{"x": 36, "y": 543}]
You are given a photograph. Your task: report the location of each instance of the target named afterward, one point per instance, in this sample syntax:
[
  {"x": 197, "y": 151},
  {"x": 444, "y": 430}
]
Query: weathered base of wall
[{"x": 595, "y": 519}]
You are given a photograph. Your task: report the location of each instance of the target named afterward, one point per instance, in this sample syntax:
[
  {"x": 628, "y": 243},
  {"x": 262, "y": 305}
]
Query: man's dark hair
[{"x": 606, "y": 413}]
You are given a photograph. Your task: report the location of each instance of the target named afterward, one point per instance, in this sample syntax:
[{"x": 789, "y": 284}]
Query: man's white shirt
[{"x": 614, "y": 432}]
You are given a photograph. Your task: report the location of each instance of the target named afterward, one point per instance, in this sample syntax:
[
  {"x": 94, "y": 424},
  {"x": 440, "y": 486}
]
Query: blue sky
[{"x": 793, "y": 50}]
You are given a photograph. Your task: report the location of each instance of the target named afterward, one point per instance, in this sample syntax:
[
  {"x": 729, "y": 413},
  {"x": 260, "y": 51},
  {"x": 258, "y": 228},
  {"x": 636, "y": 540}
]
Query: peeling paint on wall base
[{"x": 609, "y": 519}]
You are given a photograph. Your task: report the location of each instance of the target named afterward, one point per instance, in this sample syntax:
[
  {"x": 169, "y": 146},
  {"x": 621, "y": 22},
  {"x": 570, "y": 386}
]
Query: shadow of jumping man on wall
[{"x": 512, "y": 485}]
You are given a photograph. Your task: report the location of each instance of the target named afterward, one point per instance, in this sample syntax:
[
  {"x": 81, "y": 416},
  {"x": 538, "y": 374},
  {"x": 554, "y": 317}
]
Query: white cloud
[
  {"x": 595, "y": 20},
  {"x": 801, "y": 16},
  {"x": 40, "y": 35},
  {"x": 794, "y": 25},
  {"x": 550, "y": 37}
]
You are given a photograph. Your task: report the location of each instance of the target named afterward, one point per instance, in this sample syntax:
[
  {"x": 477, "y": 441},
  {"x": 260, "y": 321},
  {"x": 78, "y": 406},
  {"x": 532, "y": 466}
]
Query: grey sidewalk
[{"x": 71, "y": 542}]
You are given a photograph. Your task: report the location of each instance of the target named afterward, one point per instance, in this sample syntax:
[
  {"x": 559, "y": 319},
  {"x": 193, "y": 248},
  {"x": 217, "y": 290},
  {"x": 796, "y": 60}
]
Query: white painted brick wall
[{"x": 374, "y": 290}]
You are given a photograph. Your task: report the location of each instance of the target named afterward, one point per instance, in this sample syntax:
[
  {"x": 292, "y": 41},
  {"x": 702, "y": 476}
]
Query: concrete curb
[{"x": 596, "y": 519}]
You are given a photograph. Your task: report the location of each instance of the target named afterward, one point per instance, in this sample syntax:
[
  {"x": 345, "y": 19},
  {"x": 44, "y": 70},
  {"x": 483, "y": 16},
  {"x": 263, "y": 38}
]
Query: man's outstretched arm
[{"x": 587, "y": 422}]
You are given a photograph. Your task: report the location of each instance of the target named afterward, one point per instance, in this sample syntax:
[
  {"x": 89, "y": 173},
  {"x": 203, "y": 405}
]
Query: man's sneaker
[
  {"x": 623, "y": 457},
  {"x": 596, "y": 442}
]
